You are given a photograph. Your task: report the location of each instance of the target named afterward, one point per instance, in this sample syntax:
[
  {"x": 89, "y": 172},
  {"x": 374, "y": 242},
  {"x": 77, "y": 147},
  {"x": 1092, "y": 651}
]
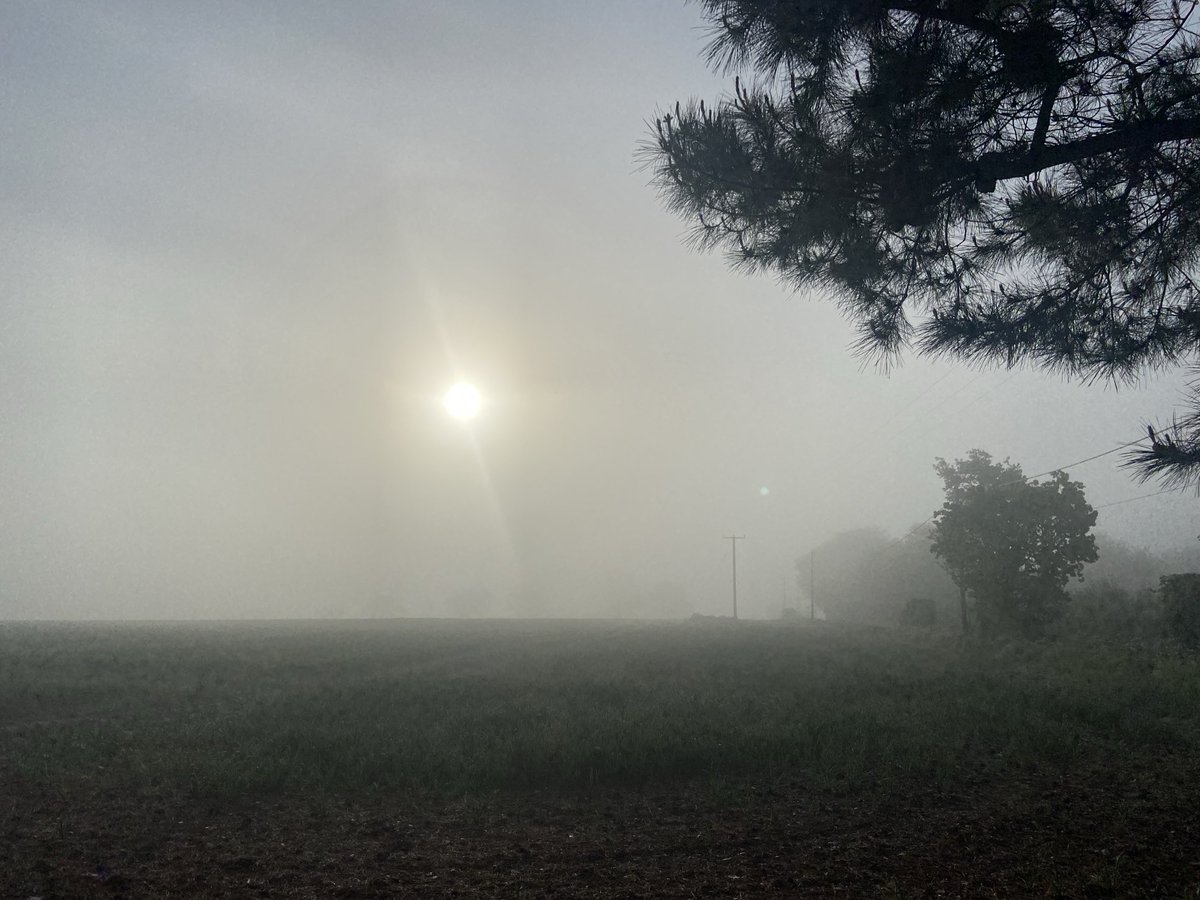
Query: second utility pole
[
  {"x": 812, "y": 585},
  {"x": 734, "y": 538}
]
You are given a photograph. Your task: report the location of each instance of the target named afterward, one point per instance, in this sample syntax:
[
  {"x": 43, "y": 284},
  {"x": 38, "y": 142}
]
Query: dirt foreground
[{"x": 1088, "y": 835}]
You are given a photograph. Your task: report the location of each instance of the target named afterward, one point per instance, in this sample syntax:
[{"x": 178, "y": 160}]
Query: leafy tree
[
  {"x": 866, "y": 575},
  {"x": 849, "y": 577},
  {"x": 914, "y": 572},
  {"x": 1009, "y": 181},
  {"x": 1010, "y": 543}
]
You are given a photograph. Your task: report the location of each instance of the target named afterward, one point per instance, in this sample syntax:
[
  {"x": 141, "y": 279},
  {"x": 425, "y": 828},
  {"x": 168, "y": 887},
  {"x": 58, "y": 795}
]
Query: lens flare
[{"x": 463, "y": 401}]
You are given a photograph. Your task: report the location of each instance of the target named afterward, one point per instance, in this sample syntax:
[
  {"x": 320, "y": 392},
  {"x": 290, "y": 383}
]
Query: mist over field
[{"x": 245, "y": 254}]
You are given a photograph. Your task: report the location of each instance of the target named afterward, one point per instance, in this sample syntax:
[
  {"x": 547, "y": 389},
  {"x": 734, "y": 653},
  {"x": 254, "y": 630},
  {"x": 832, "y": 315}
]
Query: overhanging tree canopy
[{"x": 1007, "y": 181}]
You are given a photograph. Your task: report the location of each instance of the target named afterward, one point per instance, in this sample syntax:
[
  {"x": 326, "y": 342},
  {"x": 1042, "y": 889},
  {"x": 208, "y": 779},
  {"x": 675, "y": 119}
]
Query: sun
[{"x": 463, "y": 401}]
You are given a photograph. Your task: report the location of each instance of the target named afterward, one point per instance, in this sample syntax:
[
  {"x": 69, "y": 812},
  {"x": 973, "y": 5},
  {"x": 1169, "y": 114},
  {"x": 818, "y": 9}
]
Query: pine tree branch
[
  {"x": 1003, "y": 165},
  {"x": 952, "y": 16}
]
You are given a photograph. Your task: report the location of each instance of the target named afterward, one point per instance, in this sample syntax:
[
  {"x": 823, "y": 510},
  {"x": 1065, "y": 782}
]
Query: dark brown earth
[{"x": 1088, "y": 834}]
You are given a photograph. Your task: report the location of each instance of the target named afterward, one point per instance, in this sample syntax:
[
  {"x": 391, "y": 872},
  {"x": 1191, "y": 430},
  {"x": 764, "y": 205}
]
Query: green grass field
[
  {"x": 478, "y": 706},
  {"x": 438, "y": 712}
]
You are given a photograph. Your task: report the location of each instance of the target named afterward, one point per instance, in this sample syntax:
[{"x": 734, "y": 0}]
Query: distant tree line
[{"x": 999, "y": 559}]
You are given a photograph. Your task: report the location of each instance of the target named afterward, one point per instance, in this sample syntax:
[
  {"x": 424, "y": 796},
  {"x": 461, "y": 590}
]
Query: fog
[{"x": 246, "y": 249}]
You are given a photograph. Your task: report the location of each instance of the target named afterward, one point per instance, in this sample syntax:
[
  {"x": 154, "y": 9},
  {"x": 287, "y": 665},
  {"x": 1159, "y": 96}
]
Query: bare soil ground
[{"x": 1090, "y": 834}]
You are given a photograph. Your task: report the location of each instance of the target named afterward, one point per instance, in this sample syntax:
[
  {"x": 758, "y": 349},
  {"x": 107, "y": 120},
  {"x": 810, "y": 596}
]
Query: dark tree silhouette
[
  {"x": 997, "y": 181},
  {"x": 1013, "y": 544}
]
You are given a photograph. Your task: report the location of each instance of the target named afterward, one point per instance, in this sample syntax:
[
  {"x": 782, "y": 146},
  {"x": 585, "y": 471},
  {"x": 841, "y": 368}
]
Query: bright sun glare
[{"x": 463, "y": 401}]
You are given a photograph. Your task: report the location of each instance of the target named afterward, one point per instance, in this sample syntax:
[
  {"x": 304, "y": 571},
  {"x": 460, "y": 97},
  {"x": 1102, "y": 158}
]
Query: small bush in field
[
  {"x": 1181, "y": 608},
  {"x": 919, "y": 612},
  {"x": 1110, "y": 612}
]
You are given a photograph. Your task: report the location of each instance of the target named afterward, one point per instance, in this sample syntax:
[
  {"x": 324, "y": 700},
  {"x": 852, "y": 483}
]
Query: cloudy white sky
[{"x": 246, "y": 247}]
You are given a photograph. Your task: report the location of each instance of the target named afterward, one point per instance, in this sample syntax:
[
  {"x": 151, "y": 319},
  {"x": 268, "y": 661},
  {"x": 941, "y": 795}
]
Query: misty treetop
[
  {"x": 997, "y": 181},
  {"x": 866, "y": 575}
]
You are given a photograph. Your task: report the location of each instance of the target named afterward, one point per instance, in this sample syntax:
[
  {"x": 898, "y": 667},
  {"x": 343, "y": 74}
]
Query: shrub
[
  {"x": 919, "y": 612},
  {"x": 1181, "y": 608},
  {"x": 1107, "y": 611}
]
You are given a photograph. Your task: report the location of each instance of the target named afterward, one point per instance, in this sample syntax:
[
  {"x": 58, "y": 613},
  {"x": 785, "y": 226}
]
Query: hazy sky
[{"x": 246, "y": 248}]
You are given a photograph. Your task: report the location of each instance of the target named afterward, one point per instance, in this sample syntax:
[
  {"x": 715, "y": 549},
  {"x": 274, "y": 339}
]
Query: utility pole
[
  {"x": 734, "y": 538},
  {"x": 812, "y": 585}
]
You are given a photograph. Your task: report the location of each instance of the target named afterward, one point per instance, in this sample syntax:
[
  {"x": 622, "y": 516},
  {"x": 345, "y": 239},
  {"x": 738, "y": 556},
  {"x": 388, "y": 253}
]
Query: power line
[
  {"x": 899, "y": 414},
  {"x": 911, "y": 531},
  {"x": 974, "y": 400},
  {"x": 940, "y": 404},
  {"x": 1080, "y": 462},
  {"x": 1131, "y": 499}
]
